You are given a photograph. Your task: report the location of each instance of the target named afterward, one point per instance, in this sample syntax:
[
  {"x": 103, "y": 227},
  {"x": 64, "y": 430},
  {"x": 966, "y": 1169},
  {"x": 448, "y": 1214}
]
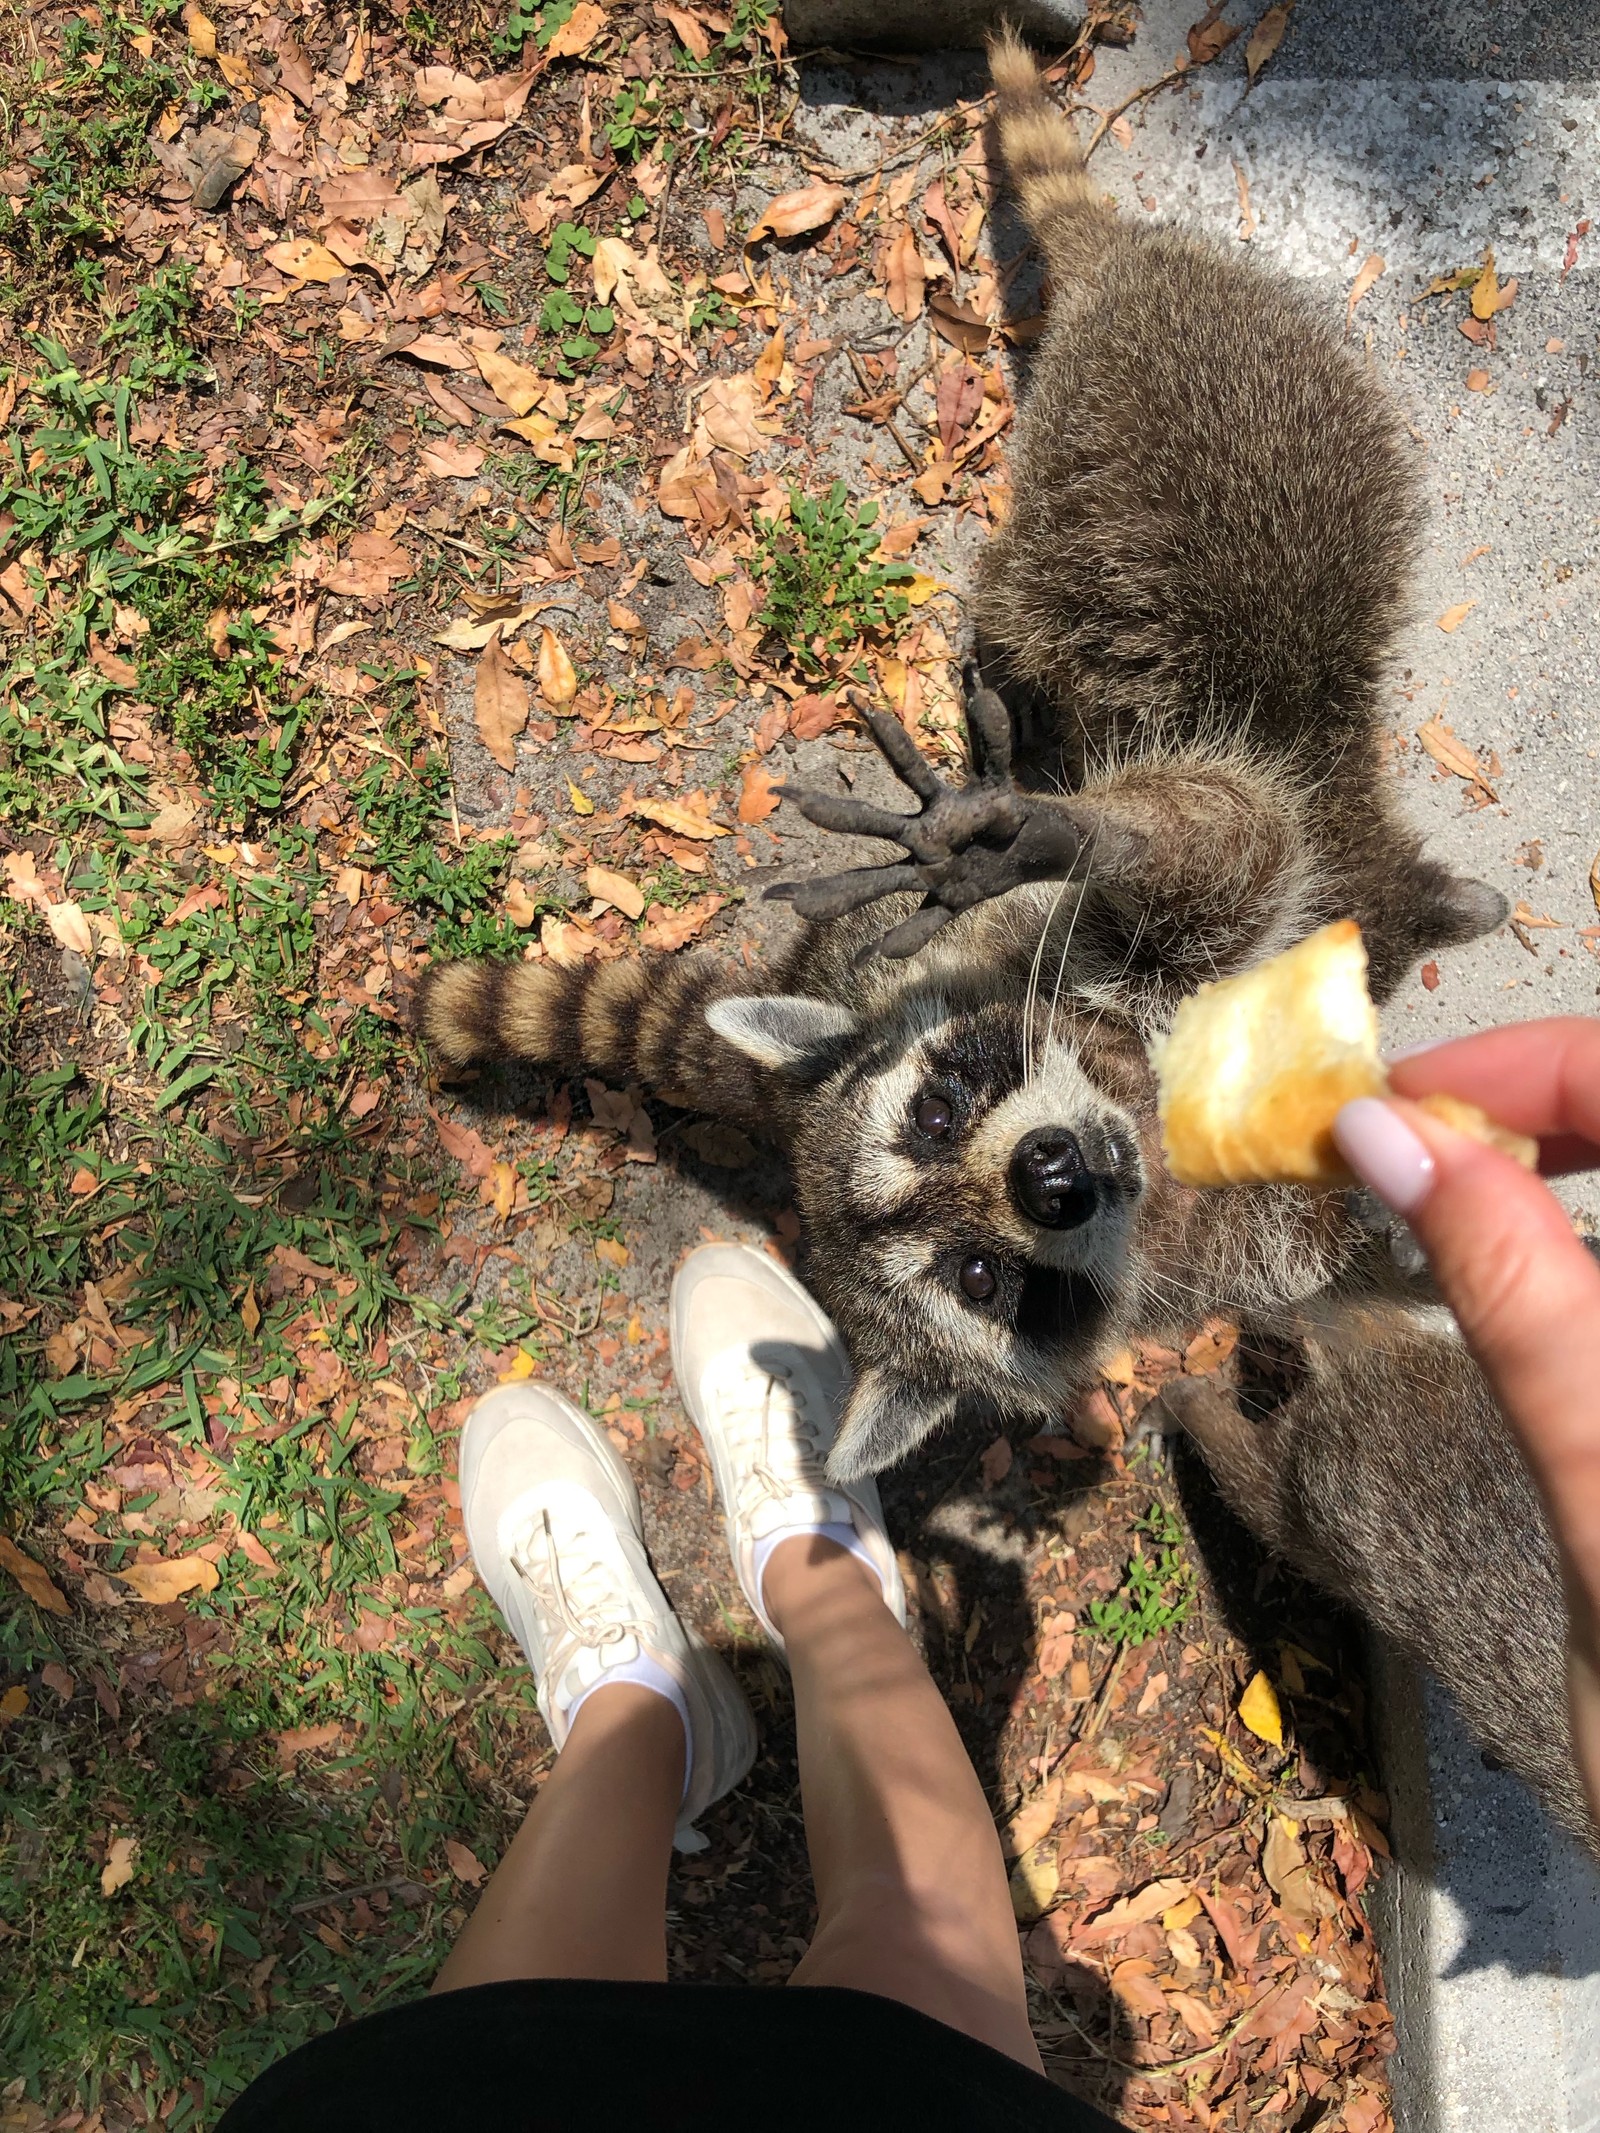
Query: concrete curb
[{"x": 1489, "y": 1924}]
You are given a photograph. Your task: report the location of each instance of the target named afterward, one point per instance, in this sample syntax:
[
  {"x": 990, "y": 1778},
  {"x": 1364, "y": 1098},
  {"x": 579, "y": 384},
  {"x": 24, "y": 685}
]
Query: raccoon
[{"x": 1195, "y": 595}]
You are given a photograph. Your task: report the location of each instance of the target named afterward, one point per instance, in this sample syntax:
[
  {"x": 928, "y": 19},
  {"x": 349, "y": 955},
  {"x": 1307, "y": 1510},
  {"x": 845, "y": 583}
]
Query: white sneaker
[
  {"x": 552, "y": 1519},
  {"x": 764, "y": 1375}
]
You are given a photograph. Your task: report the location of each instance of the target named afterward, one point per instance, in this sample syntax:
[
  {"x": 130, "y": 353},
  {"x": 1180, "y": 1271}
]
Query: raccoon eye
[
  {"x": 978, "y": 1280},
  {"x": 933, "y": 1116}
]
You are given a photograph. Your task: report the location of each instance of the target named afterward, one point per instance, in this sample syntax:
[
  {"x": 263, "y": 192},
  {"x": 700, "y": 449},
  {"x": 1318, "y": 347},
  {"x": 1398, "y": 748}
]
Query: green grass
[
  {"x": 1157, "y": 1588},
  {"x": 824, "y": 586}
]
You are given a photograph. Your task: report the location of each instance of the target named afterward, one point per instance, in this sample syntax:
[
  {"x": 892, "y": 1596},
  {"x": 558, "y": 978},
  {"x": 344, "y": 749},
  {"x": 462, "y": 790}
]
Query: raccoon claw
[{"x": 966, "y": 843}]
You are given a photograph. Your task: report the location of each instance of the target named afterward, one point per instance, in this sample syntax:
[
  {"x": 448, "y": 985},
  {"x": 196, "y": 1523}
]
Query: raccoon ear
[
  {"x": 884, "y": 1418},
  {"x": 787, "y": 1030}
]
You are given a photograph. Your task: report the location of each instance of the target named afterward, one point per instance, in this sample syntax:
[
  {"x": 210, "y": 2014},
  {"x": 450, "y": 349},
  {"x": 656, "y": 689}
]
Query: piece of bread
[{"x": 1257, "y": 1068}]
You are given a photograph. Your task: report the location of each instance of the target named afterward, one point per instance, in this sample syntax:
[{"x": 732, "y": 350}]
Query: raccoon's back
[{"x": 1214, "y": 508}]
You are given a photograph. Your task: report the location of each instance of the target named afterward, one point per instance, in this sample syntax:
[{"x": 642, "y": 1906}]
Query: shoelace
[
  {"x": 576, "y": 1594},
  {"x": 769, "y": 1420}
]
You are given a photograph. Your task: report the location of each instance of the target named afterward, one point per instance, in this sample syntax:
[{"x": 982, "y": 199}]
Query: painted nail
[
  {"x": 1384, "y": 1153},
  {"x": 1415, "y": 1051}
]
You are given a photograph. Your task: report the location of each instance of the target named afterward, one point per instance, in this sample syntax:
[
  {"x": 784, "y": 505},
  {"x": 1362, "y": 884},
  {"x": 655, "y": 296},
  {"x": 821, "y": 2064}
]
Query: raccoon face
[{"x": 972, "y": 1225}]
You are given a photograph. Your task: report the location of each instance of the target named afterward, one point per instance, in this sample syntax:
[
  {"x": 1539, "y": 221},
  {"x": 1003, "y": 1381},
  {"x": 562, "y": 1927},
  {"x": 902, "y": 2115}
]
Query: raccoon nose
[{"x": 1050, "y": 1181}]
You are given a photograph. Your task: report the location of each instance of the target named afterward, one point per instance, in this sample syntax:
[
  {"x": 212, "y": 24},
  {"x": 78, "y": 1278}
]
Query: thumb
[{"x": 1524, "y": 1291}]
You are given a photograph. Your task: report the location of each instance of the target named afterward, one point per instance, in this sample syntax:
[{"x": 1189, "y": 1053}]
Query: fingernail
[
  {"x": 1415, "y": 1051},
  {"x": 1384, "y": 1153}
]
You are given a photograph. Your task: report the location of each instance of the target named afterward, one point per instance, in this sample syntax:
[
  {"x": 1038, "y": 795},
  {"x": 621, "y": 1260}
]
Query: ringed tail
[{"x": 1038, "y": 145}]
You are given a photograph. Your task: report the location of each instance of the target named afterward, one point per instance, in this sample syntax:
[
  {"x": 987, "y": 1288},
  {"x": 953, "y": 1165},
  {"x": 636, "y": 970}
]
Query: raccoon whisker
[
  {"x": 1031, "y": 996},
  {"x": 1072, "y": 927}
]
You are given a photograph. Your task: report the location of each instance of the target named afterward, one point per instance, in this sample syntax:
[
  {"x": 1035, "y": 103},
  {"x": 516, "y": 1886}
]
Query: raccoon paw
[{"x": 967, "y": 843}]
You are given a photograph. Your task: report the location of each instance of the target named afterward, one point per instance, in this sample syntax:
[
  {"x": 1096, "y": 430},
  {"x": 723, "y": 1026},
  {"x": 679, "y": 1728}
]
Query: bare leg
[
  {"x": 582, "y": 1890},
  {"x": 911, "y": 1886}
]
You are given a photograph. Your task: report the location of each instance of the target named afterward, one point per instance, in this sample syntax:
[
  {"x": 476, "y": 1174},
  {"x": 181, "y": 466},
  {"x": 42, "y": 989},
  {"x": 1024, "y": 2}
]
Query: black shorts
[{"x": 555, "y": 2055}]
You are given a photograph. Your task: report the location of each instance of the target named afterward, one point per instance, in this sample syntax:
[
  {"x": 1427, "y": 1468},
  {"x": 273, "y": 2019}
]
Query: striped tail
[
  {"x": 638, "y": 1019},
  {"x": 1041, "y": 151}
]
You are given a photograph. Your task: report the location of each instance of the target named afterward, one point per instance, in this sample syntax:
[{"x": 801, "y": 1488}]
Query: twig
[
  {"x": 1164, "y": 81},
  {"x": 906, "y": 453},
  {"x": 365, "y": 1888},
  {"x": 868, "y": 170},
  {"x": 1096, "y": 1718},
  {"x": 1162, "y": 2066}
]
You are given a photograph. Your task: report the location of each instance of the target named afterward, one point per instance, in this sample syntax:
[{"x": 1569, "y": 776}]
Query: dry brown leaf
[
  {"x": 691, "y": 35},
  {"x": 1210, "y": 35},
  {"x": 558, "y": 680},
  {"x": 121, "y": 1858},
  {"x": 161, "y": 1583},
  {"x": 1265, "y": 39},
  {"x": 1594, "y": 881},
  {"x": 905, "y": 276},
  {"x": 723, "y": 1146},
  {"x": 202, "y": 33},
  {"x": 578, "y": 32},
  {"x": 1136, "y": 1910},
  {"x": 305, "y": 260},
  {"x": 683, "y": 821},
  {"x": 1477, "y": 381},
  {"x": 466, "y": 1144},
  {"x": 1034, "y": 1819},
  {"x": 671, "y": 930},
  {"x": 501, "y": 702},
  {"x": 465, "y": 1865},
  {"x": 958, "y": 324},
  {"x": 519, "y": 387},
  {"x": 758, "y": 795},
  {"x": 615, "y": 889},
  {"x": 1452, "y": 754},
  {"x": 71, "y": 928},
  {"x": 34, "y": 1579},
  {"x": 1453, "y": 617},
  {"x": 813, "y": 207},
  {"x": 1372, "y": 267}
]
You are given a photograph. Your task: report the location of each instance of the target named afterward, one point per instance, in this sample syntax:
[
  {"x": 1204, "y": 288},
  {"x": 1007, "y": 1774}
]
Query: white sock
[
  {"x": 645, "y": 1673},
  {"x": 845, "y": 1537}
]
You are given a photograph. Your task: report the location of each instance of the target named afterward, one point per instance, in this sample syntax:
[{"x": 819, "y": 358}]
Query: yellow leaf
[
  {"x": 533, "y": 429},
  {"x": 161, "y": 1583},
  {"x": 118, "y": 1869},
  {"x": 234, "y": 69},
  {"x": 202, "y": 34},
  {"x": 305, "y": 260},
  {"x": 522, "y": 1366},
  {"x": 1034, "y": 1881},
  {"x": 1258, "y": 1709},
  {"x": 1181, "y": 1915},
  {"x": 558, "y": 681},
  {"x": 12, "y": 1704},
  {"x": 617, "y": 890},
  {"x": 581, "y": 803},
  {"x": 1486, "y": 290},
  {"x": 613, "y": 1253},
  {"x": 521, "y": 388},
  {"x": 520, "y": 906},
  {"x": 919, "y": 590},
  {"x": 681, "y": 820},
  {"x": 250, "y": 1310},
  {"x": 1453, "y": 617},
  {"x": 503, "y": 1176}
]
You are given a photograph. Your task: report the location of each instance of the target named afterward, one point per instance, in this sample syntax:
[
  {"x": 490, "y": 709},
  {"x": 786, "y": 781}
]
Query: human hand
[{"x": 1523, "y": 1287}]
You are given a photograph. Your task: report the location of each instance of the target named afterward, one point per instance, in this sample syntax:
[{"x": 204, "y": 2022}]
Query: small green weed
[
  {"x": 1157, "y": 1588},
  {"x": 824, "y": 590}
]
